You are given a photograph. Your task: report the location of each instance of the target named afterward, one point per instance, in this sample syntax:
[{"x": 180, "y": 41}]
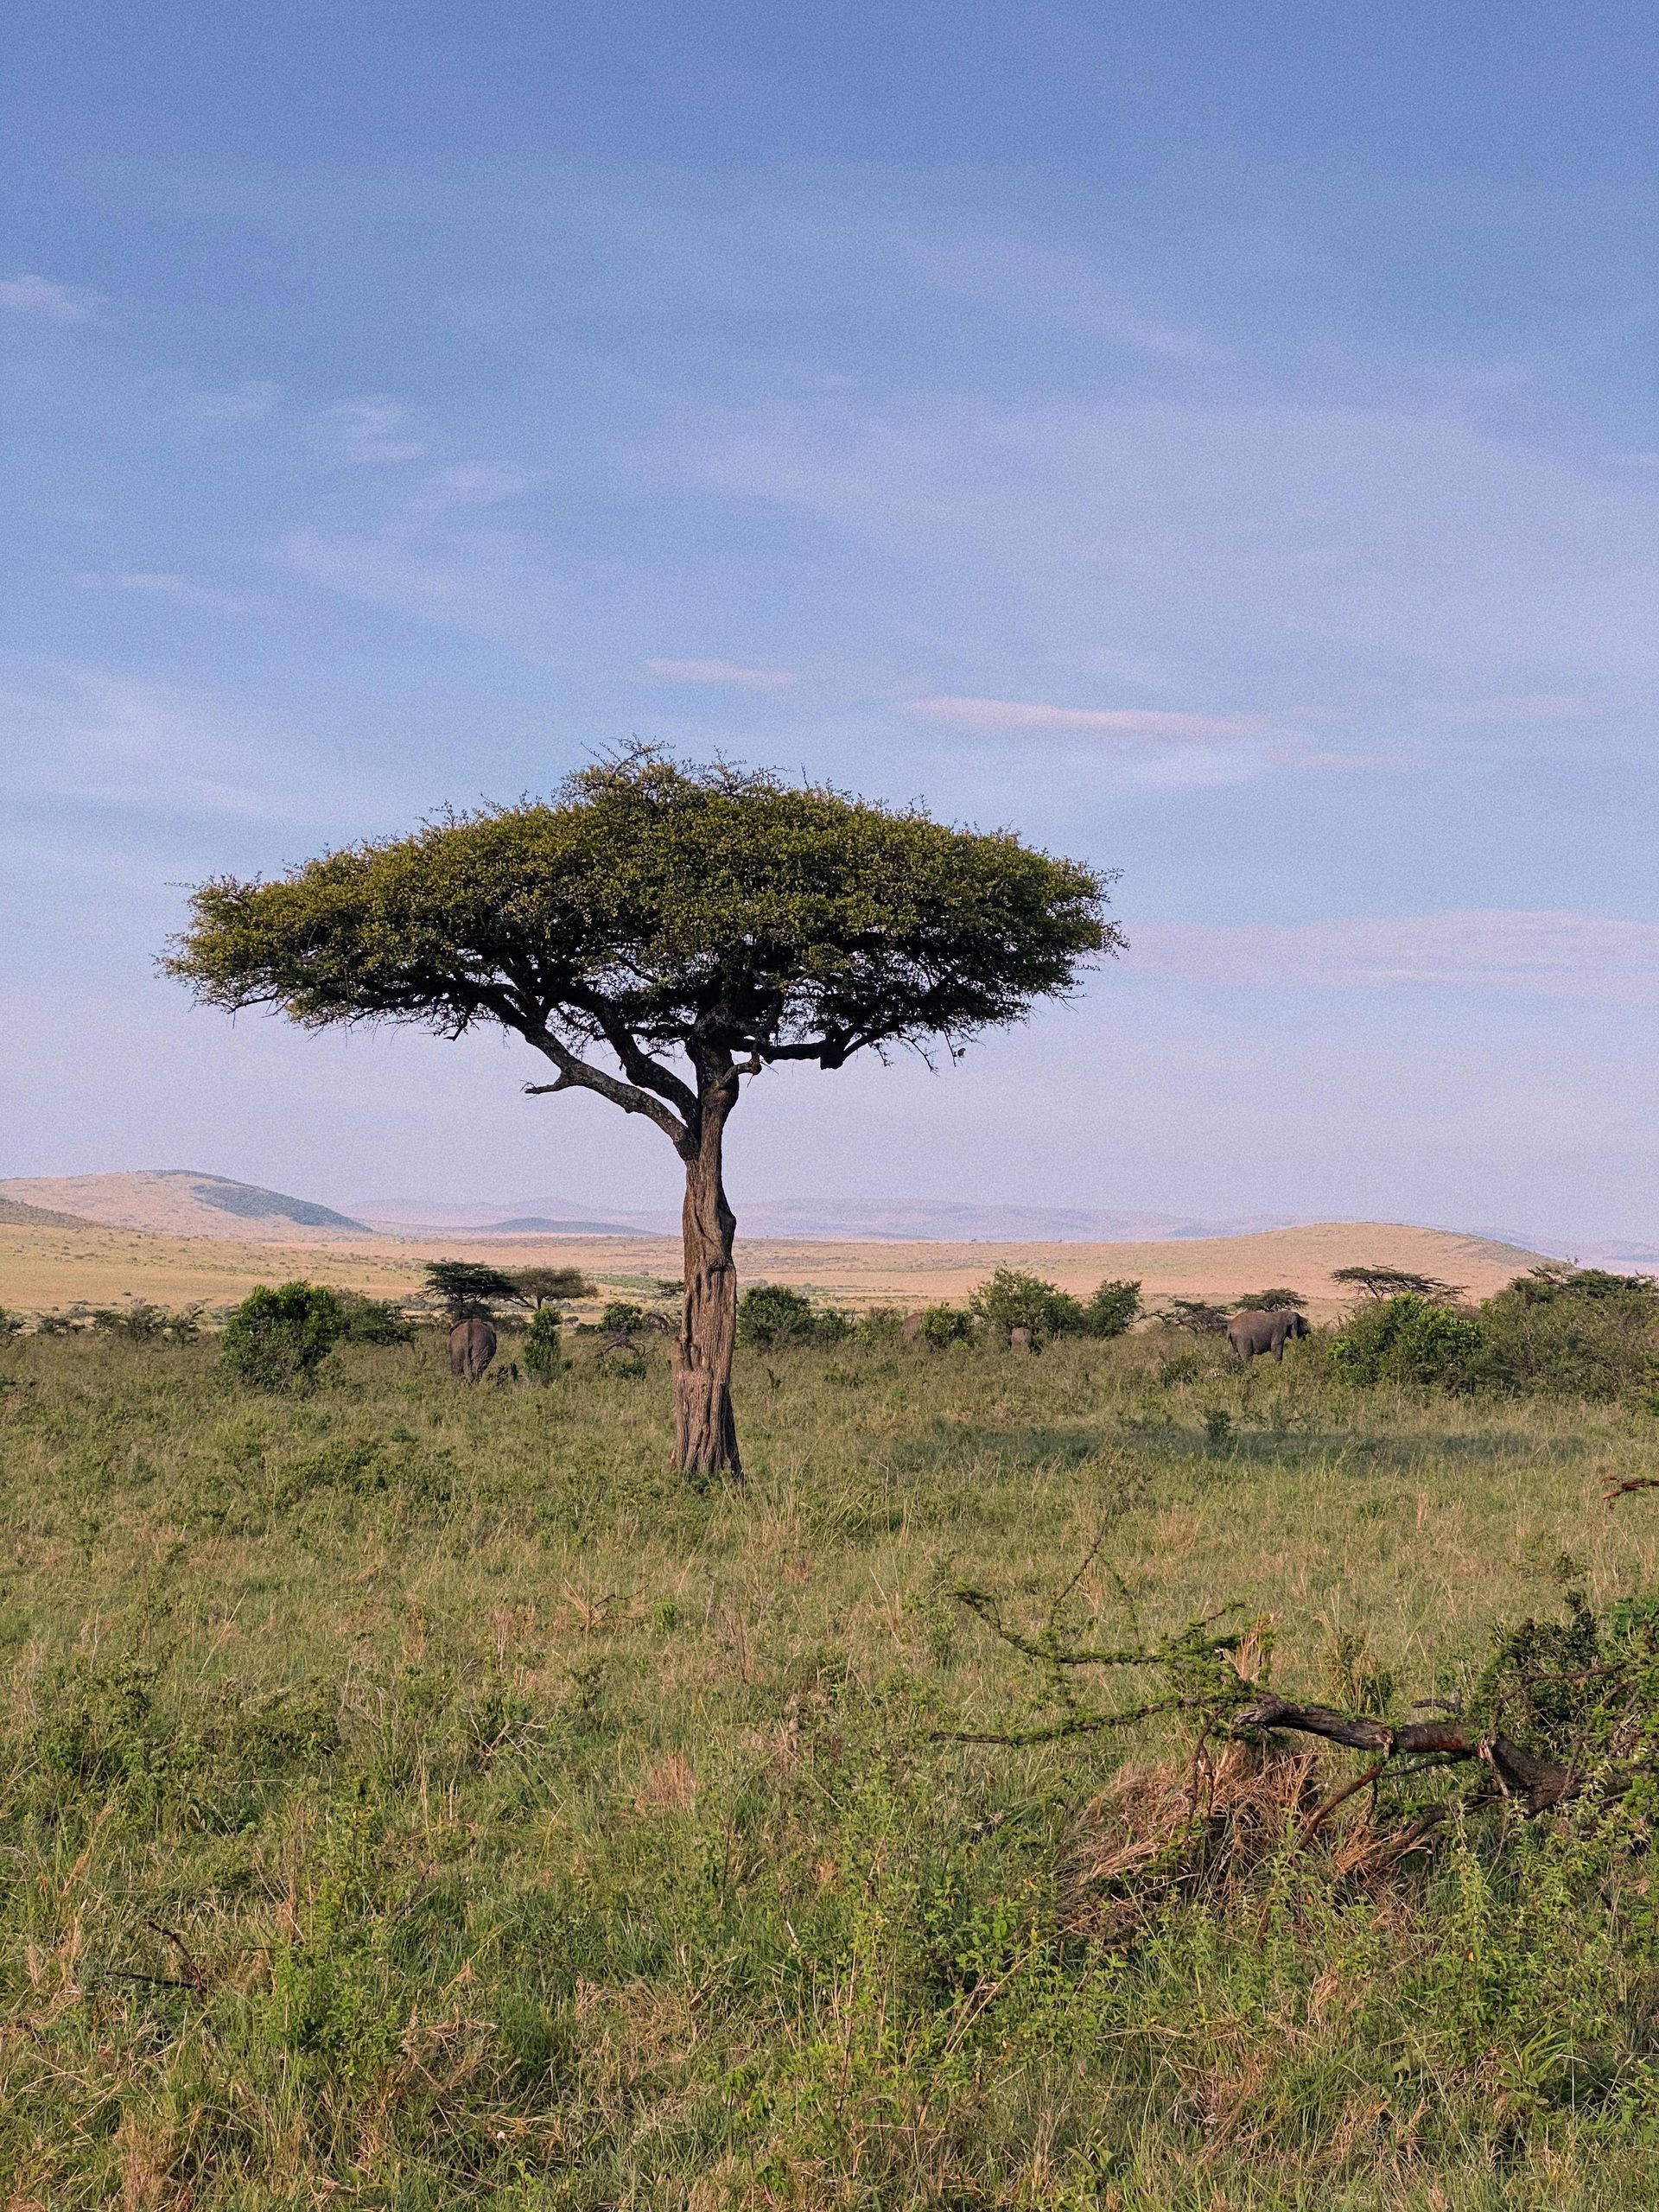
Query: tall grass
[{"x": 416, "y": 1797}]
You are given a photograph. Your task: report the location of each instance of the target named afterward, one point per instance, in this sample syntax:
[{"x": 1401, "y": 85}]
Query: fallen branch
[{"x": 1540, "y": 1784}]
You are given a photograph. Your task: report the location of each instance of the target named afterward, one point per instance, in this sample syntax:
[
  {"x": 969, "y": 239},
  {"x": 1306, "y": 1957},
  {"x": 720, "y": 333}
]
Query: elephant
[
  {"x": 1256, "y": 1331},
  {"x": 471, "y": 1347}
]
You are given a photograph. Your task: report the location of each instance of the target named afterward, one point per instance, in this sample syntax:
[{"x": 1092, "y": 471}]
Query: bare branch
[{"x": 575, "y": 1074}]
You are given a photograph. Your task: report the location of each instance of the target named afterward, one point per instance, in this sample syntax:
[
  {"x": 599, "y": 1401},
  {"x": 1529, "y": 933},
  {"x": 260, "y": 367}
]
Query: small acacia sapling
[{"x": 658, "y": 933}]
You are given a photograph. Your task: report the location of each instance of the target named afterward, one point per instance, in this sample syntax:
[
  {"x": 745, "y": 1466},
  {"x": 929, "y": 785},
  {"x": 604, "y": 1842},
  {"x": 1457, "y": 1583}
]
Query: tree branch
[
  {"x": 1540, "y": 1782},
  {"x": 645, "y": 1072},
  {"x": 575, "y": 1074}
]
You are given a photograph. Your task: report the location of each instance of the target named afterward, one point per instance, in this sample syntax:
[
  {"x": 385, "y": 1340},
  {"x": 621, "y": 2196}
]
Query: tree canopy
[{"x": 652, "y": 905}]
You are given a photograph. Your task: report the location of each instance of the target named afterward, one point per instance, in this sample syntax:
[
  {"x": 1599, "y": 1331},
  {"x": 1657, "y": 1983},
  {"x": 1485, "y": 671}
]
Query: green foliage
[
  {"x": 662, "y": 900},
  {"x": 142, "y": 1322},
  {"x": 943, "y": 1325},
  {"x": 470, "y": 1287},
  {"x": 771, "y": 1313},
  {"x": 1111, "y": 1309},
  {"x": 1575, "y": 1332},
  {"x": 1270, "y": 1301},
  {"x": 542, "y": 1356},
  {"x": 1395, "y": 1282},
  {"x": 278, "y": 1337},
  {"x": 1409, "y": 1339},
  {"x": 1197, "y": 1316},
  {"x": 879, "y": 1324},
  {"x": 552, "y": 1286},
  {"x": 1012, "y": 1300},
  {"x": 621, "y": 1317},
  {"x": 1559, "y": 1331},
  {"x": 372, "y": 1320},
  {"x": 11, "y": 1325}
]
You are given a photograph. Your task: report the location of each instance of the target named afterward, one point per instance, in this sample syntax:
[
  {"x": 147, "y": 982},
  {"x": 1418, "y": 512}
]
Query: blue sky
[{"x": 1218, "y": 440}]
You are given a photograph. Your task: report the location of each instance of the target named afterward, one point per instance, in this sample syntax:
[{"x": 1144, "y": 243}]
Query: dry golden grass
[{"x": 54, "y": 1268}]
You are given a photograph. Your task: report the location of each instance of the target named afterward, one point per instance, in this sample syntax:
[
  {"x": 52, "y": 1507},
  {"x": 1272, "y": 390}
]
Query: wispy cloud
[
  {"x": 164, "y": 585},
  {"x": 475, "y": 484},
  {"x": 1034, "y": 718},
  {"x": 240, "y": 404},
  {"x": 358, "y": 431},
  {"x": 32, "y": 295},
  {"x": 1548, "y": 953},
  {"x": 1520, "y": 707},
  {"x": 735, "y": 673},
  {"x": 122, "y": 743}
]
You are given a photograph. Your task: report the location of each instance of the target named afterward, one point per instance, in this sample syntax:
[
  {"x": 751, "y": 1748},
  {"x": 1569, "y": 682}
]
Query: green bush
[
  {"x": 770, "y": 1313},
  {"x": 1410, "y": 1339},
  {"x": 11, "y": 1325},
  {"x": 542, "y": 1355},
  {"x": 1012, "y": 1300},
  {"x": 947, "y": 1324},
  {"x": 621, "y": 1317},
  {"x": 278, "y": 1337},
  {"x": 371, "y": 1320},
  {"x": 879, "y": 1324},
  {"x": 1574, "y": 1333},
  {"x": 1111, "y": 1309}
]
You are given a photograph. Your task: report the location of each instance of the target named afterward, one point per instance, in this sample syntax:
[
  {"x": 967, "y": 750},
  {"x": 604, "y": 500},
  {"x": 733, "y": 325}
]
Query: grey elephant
[
  {"x": 471, "y": 1347},
  {"x": 1256, "y": 1331}
]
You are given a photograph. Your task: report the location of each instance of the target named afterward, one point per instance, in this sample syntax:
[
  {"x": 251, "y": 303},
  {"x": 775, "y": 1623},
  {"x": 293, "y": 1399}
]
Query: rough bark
[
  {"x": 1540, "y": 1785},
  {"x": 705, "y": 1432}
]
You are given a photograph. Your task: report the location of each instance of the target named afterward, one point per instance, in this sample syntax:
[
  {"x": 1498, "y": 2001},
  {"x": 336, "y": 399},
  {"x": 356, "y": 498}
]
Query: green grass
[{"x": 417, "y": 1797}]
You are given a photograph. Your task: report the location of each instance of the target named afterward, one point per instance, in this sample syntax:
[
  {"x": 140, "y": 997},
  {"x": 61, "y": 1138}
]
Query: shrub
[
  {"x": 140, "y": 1323},
  {"x": 771, "y": 1313},
  {"x": 1012, "y": 1300},
  {"x": 621, "y": 1318},
  {"x": 277, "y": 1337},
  {"x": 879, "y": 1324},
  {"x": 1270, "y": 1301},
  {"x": 1575, "y": 1332},
  {"x": 542, "y": 1356},
  {"x": 946, "y": 1325},
  {"x": 1409, "y": 1339},
  {"x": 11, "y": 1325},
  {"x": 1111, "y": 1309},
  {"x": 371, "y": 1320}
]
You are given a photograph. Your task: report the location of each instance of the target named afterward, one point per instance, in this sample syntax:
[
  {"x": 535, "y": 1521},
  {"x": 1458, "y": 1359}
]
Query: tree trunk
[{"x": 705, "y": 1434}]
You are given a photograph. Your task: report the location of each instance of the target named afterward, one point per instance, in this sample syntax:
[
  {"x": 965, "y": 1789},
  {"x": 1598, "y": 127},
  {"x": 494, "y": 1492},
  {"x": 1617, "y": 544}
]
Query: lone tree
[
  {"x": 657, "y": 932},
  {"x": 469, "y": 1286}
]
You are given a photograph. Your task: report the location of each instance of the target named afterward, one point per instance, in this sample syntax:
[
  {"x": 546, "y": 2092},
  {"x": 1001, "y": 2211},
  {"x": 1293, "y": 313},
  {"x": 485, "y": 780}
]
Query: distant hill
[
  {"x": 924, "y": 1223},
  {"x": 14, "y": 1214},
  {"x": 177, "y": 1202}
]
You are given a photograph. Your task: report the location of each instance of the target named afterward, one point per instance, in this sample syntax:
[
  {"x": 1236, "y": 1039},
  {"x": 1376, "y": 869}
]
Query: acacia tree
[{"x": 657, "y": 932}]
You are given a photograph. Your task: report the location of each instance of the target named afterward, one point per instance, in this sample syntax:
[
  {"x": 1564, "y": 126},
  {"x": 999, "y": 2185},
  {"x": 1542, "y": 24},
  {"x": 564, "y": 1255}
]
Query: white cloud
[
  {"x": 1030, "y": 718},
  {"x": 31, "y": 294},
  {"x": 735, "y": 673},
  {"x": 363, "y": 430},
  {"x": 1548, "y": 953}
]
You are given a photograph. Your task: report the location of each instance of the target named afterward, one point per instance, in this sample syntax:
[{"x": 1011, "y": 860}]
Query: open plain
[
  {"x": 414, "y": 1797},
  {"x": 54, "y": 1268}
]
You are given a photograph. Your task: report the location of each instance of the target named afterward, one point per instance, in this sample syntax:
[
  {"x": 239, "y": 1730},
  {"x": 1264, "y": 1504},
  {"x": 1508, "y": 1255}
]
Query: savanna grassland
[{"x": 416, "y": 1797}]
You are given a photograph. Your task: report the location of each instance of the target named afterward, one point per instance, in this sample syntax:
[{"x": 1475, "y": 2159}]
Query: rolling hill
[{"x": 178, "y": 1202}]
